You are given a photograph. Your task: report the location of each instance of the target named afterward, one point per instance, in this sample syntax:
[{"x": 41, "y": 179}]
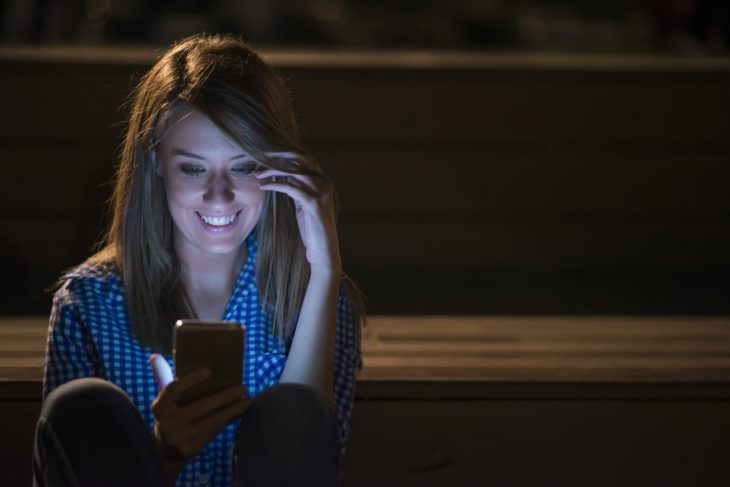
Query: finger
[
  {"x": 192, "y": 438},
  {"x": 303, "y": 181},
  {"x": 314, "y": 180},
  {"x": 268, "y": 172},
  {"x": 193, "y": 377},
  {"x": 175, "y": 427},
  {"x": 203, "y": 406},
  {"x": 292, "y": 156},
  {"x": 161, "y": 369},
  {"x": 305, "y": 185},
  {"x": 303, "y": 196},
  {"x": 212, "y": 424},
  {"x": 178, "y": 386}
]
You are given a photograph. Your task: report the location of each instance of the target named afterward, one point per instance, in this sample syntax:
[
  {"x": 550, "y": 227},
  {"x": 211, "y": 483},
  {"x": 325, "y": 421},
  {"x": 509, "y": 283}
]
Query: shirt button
[{"x": 203, "y": 478}]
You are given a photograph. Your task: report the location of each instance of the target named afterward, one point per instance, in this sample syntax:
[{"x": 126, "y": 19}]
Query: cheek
[
  {"x": 179, "y": 192},
  {"x": 250, "y": 193}
]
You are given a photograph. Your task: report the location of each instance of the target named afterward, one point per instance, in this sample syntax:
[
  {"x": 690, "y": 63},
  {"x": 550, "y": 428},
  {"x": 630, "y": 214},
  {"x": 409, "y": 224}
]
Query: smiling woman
[
  {"x": 214, "y": 199},
  {"x": 218, "y": 214}
]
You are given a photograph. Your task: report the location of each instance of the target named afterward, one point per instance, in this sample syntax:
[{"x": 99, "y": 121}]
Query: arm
[{"x": 311, "y": 355}]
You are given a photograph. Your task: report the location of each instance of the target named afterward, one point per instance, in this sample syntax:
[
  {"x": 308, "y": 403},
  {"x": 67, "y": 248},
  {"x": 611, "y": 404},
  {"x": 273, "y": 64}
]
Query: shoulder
[
  {"x": 90, "y": 298},
  {"x": 89, "y": 281},
  {"x": 92, "y": 270}
]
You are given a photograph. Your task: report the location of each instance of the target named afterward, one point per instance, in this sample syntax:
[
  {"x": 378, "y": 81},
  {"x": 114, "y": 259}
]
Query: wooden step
[{"x": 491, "y": 348}]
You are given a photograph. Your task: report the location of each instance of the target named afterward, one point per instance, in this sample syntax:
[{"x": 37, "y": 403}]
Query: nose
[{"x": 219, "y": 190}]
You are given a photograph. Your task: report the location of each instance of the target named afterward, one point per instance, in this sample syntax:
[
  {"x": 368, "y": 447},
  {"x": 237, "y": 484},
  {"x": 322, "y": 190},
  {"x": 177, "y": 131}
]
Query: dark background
[
  {"x": 669, "y": 26},
  {"x": 551, "y": 157}
]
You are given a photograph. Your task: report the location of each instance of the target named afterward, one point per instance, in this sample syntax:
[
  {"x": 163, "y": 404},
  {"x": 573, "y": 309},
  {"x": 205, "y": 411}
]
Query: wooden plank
[
  {"x": 641, "y": 374},
  {"x": 493, "y": 348},
  {"x": 549, "y": 348},
  {"x": 526, "y": 362},
  {"x": 628, "y": 347},
  {"x": 414, "y": 59},
  {"x": 574, "y": 325}
]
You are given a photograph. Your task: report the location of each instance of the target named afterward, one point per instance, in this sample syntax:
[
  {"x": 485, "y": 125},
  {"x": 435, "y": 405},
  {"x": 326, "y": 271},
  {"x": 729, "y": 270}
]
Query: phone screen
[{"x": 216, "y": 345}]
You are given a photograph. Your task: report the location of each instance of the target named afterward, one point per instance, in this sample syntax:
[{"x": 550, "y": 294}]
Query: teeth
[{"x": 218, "y": 221}]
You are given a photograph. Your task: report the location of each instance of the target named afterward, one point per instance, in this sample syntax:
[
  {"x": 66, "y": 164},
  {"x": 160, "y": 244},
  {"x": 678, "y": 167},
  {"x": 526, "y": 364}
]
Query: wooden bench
[{"x": 543, "y": 400}]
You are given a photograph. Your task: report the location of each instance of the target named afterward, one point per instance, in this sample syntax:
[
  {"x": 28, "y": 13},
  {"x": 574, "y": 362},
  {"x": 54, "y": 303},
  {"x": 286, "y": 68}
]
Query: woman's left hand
[{"x": 313, "y": 198}]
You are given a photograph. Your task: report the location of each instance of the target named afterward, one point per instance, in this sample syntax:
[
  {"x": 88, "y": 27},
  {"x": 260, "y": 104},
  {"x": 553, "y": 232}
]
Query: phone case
[{"x": 217, "y": 345}]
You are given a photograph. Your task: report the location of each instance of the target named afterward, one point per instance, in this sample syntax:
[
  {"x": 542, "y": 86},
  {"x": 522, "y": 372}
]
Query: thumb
[{"x": 162, "y": 370}]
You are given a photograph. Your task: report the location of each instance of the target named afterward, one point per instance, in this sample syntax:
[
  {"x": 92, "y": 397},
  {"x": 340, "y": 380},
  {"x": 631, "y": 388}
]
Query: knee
[
  {"x": 292, "y": 410},
  {"x": 83, "y": 398},
  {"x": 300, "y": 394},
  {"x": 298, "y": 402},
  {"x": 289, "y": 434}
]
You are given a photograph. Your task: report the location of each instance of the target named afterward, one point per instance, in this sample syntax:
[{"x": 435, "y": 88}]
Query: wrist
[
  {"x": 325, "y": 273},
  {"x": 169, "y": 460},
  {"x": 169, "y": 468}
]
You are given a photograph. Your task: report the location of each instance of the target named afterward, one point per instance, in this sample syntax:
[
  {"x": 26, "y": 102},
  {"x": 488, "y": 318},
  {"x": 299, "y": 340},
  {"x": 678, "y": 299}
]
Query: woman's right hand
[{"x": 182, "y": 431}]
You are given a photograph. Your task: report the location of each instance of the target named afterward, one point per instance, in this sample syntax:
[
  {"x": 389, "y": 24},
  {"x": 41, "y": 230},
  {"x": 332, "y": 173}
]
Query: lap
[{"x": 288, "y": 436}]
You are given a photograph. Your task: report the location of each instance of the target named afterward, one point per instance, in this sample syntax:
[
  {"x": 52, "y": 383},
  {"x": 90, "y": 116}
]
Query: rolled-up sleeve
[{"x": 348, "y": 362}]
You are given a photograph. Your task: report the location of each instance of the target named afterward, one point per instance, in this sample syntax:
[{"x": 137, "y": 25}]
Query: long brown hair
[{"x": 224, "y": 79}]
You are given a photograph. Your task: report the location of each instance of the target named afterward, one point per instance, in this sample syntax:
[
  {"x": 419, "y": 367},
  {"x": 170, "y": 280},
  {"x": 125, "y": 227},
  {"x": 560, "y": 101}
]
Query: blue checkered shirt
[{"x": 90, "y": 336}]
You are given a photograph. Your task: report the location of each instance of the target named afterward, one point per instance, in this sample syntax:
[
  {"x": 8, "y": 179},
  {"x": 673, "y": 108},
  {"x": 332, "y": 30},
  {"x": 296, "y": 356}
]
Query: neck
[{"x": 205, "y": 274}]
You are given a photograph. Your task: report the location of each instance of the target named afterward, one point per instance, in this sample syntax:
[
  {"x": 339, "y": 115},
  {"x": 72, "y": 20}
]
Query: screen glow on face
[{"x": 212, "y": 194}]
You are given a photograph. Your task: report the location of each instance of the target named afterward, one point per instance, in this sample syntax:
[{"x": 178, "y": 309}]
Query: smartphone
[{"x": 217, "y": 345}]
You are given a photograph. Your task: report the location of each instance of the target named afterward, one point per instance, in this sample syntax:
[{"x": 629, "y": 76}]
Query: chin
[{"x": 221, "y": 248}]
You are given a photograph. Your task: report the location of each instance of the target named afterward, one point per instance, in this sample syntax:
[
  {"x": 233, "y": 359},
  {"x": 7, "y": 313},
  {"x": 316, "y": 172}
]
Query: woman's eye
[
  {"x": 192, "y": 171},
  {"x": 244, "y": 169}
]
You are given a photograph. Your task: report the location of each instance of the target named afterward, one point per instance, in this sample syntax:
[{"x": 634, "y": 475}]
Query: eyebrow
[{"x": 180, "y": 152}]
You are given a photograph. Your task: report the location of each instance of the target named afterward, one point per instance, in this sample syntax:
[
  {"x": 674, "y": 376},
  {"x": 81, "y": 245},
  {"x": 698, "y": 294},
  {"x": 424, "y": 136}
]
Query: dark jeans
[{"x": 90, "y": 434}]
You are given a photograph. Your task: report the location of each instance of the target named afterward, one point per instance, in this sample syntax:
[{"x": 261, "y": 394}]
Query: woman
[{"x": 218, "y": 213}]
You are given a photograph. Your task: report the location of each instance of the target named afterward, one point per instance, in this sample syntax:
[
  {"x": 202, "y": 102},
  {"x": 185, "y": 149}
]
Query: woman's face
[{"x": 212, "y": 193}]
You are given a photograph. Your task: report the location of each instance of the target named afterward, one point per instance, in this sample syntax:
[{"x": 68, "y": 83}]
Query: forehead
[{"x": 192, "y": 131}]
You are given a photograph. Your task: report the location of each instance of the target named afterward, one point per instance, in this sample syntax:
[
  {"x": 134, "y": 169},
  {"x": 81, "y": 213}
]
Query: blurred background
[
  {"x": 493, "y": 156},
  {"x": 625, "y": 26},
  {"x": 558, "y": 168}
]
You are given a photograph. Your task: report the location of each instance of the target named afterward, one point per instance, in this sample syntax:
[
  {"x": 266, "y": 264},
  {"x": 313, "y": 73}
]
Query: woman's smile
[{"x": 218, "y": 224}]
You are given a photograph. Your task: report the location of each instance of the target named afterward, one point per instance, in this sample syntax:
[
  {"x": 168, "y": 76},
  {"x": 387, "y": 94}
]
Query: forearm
[{"x": 311, "y": 356}]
